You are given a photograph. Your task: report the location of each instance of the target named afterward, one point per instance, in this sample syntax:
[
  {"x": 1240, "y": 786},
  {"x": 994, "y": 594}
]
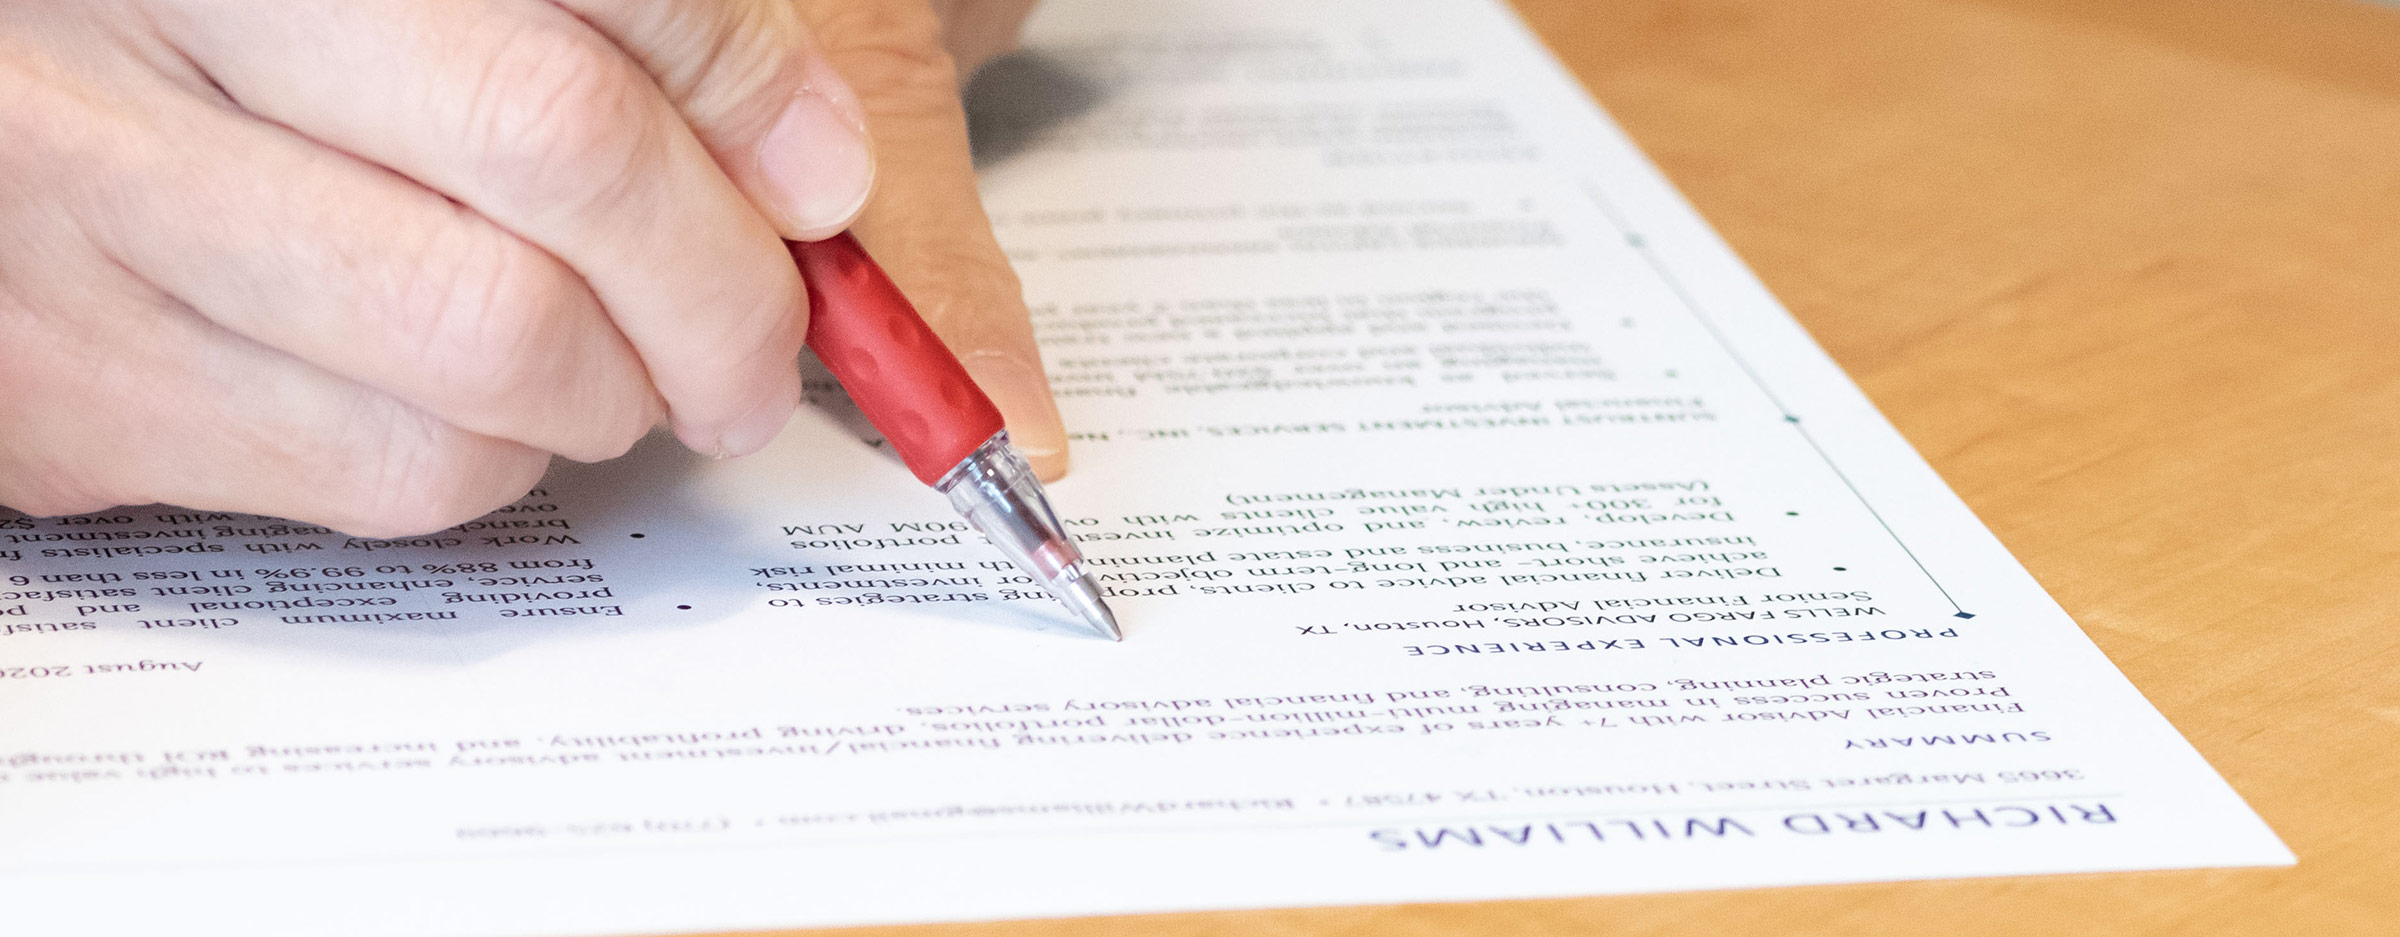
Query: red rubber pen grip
[{"x": 898, "y": 372}]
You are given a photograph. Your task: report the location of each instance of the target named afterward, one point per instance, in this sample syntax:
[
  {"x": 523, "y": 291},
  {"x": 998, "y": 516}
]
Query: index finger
[{"x": 926, "y": 225}]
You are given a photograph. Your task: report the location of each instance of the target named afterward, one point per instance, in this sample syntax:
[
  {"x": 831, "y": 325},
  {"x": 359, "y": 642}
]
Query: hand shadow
[{"x": 1019, "y": 96}]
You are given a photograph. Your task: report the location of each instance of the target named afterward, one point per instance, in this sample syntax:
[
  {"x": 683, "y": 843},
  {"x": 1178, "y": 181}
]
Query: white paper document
[{"x": 1481, "y": 528}]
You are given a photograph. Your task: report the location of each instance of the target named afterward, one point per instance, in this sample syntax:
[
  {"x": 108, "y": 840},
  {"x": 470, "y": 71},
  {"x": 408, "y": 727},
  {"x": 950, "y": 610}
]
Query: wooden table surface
[{"x": 2128, "y": 273}]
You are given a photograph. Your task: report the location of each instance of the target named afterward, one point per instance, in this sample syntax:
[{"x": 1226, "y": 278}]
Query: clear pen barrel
[{"x": 999, "y": 496}]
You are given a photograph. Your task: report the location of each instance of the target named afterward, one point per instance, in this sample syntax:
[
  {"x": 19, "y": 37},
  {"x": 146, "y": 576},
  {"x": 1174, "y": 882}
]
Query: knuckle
[
  {"x": 482, "y": 317},
  {"x": 424, "y": 476},
  {"x": 500, "y": 338},
  {"x": 617, "y": 427},
  {"x": 891, "y": 51},
  {"x": 614, "y": 442},
  {"x": 560, "y": 118},
  {"x": 975, "y": 285},
  {"x": 739, "y": 73},
  {"x": 763, "y": 314},
  {"x": 773, "y": 320},
  {"x": 764, "y": 338}
]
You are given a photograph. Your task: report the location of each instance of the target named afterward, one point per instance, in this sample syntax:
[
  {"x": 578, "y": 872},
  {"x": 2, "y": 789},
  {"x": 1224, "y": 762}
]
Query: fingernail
[
  {"x": 818, "y": 163},
  {"x": 1023, "y": 396}
]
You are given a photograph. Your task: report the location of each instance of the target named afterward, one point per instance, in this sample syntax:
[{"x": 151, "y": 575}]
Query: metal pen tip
[
  {"x": 1082, "y": 597},
  {"x": 996, "y": 492}
]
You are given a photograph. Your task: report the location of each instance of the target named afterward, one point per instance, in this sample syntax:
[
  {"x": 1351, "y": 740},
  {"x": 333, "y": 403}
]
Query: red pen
[{"x": 915, "y": 392}]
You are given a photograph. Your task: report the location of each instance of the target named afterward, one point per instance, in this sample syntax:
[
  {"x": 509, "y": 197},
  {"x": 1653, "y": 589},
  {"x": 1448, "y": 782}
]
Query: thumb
[{"x": 746, "y": 75}]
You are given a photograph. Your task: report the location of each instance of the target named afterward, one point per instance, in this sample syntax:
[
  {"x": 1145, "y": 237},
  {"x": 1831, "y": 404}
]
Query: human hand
[{"x": 369, "y": 264}]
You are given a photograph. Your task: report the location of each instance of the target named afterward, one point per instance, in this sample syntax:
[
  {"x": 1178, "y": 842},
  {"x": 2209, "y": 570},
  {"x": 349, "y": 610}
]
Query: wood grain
[{"x": 2128, "y": 274}]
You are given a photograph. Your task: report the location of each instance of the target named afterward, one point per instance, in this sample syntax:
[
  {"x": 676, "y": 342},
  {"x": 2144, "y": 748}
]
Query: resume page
[{"x": 1480, "y": 527}]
